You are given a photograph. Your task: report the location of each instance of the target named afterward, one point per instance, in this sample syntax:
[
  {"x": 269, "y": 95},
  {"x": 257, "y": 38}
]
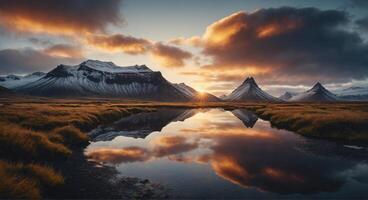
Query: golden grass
[
  {"x": 25, "y": 180},
  {"x": 50, "y": 130},
  {"x": 44, "y": 132},
  {"x": 337, "y": 121},
  {"x": 22, "y": 143},
  {"x": 70, "y": 135}
]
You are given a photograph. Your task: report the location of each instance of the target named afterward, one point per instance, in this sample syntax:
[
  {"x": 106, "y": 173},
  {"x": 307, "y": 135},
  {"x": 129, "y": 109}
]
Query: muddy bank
[{"x": 89, "y": 180}]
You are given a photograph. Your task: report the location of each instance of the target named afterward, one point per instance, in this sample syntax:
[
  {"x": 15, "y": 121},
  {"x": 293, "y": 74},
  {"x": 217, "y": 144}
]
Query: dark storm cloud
[
  {"x": 30, "y": 60},
  {"x": 59, "y": 16},
  {"x": 362, "y": 24},
  {"x": 360, "y": 3},
  {"x": 282, "y": 44}
]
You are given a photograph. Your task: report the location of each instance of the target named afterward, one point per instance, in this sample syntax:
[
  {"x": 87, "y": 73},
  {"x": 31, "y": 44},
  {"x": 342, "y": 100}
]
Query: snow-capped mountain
[
  {"x": 249, "y": 91},
  {"x": 317, "y": 93},
  {"x": 97, "y": 78},
  {"x": 193, "y": 94},
  {"x": 13, "y": 81}
]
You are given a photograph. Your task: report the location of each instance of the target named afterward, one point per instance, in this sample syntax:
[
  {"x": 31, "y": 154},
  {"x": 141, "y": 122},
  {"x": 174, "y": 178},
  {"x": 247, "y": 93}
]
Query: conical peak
[
  {"x": 318, "y": 85},
  {"x": 250, "y": 80}
]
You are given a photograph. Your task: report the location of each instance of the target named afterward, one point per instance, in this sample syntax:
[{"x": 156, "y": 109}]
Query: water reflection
[
  {"x": 140, "y": 125},
  {"x": 260, "y": 160}
]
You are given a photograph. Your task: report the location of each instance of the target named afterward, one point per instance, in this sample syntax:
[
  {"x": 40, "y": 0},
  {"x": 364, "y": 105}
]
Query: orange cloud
[
  {"x": 119, "y": 42},
  {"x": 195, "y": 41},
  {"x": 169, "y": 56},
  {"x": 283, "y": 45},
  {"x": 64, "y": 50},
  {"x": 277, "y": 28},
  {"x": 73, "y": 17},
  {"x": 220, "y": 32}
]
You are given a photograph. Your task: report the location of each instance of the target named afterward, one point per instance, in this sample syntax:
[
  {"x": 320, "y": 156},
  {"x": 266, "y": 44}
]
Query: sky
[{"x": 211, "y": 45}]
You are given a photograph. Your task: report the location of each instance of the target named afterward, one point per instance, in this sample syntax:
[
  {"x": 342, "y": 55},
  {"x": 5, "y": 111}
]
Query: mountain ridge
[
  {"x": 250, "y": 91},
  {"x": 318, "y": 93}
]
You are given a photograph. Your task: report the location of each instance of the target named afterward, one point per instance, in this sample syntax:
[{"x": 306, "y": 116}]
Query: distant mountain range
[
  {"x": 93, "y": 78},
  {"x": 321, "y": 94}
]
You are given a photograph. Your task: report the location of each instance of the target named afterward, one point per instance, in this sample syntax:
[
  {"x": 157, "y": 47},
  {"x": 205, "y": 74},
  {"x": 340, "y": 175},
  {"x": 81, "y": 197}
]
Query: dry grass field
[{"x": 34, "y": 135}]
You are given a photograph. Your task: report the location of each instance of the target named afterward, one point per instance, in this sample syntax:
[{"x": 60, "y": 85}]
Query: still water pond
[{"x": 213, "y": 153}]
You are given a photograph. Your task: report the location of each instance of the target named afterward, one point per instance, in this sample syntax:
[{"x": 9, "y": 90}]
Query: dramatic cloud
[
  {"x": 64, "y": 50},
  {"x": 362, "y": 24},
  {"x": 59, "y": 16},
  {"x": 360, "y": 3},
  {"x": 169, "y": 56},
  {"x": 286, "y": 44},
  {"x": 119, "y": 42},
  {"x": 30, "y": 60}
]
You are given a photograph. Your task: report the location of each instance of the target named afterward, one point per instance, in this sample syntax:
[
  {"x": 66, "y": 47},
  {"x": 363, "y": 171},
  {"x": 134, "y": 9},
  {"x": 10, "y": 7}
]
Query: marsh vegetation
[{"x": 36, "y": 137}]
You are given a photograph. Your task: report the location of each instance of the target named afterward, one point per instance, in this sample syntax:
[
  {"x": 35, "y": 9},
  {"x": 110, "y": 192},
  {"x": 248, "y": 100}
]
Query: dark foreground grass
[
  {"x": 20, "y": 180},
  {"x": 32, "y": 135},
  {"x": 35, "y": 136}
]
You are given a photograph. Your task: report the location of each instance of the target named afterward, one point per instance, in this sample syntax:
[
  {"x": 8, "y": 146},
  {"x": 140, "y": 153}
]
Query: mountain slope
[
  {"x": 5, "y": 91},
  {"x": 317, "y": 93},
  {"x": 97, "y": 78},
  {"x": 249, "y": 91},
  {"x": 13, "y": 81},
  {"x": 287, "y": 96},
  {"x": 195, "y": 95}
]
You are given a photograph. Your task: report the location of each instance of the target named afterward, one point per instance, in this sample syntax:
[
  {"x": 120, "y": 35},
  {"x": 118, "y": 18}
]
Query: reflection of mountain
[
  {"x": 140, "y": 125},
  {"x": 247, "y": 117},
  {"x": 267, "y": 159}
]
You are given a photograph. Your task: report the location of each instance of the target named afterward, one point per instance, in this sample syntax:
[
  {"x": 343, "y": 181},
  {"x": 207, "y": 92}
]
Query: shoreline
[{"x": 82, "y": 179}]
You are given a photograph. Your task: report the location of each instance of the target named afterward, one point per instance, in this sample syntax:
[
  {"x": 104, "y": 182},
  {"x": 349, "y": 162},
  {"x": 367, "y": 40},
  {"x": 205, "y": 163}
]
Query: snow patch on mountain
[{"x": 112, "y": 68}]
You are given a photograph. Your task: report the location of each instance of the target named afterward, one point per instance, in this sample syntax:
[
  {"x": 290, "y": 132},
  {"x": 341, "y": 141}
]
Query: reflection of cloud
[
  {"x": 117, "y": 156},
  {"x": 272, "y": 165},
  {"x": 259, "y": 158},
  {"x": 168, "y": 145},
  {"x": 162, "y": 146}
]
